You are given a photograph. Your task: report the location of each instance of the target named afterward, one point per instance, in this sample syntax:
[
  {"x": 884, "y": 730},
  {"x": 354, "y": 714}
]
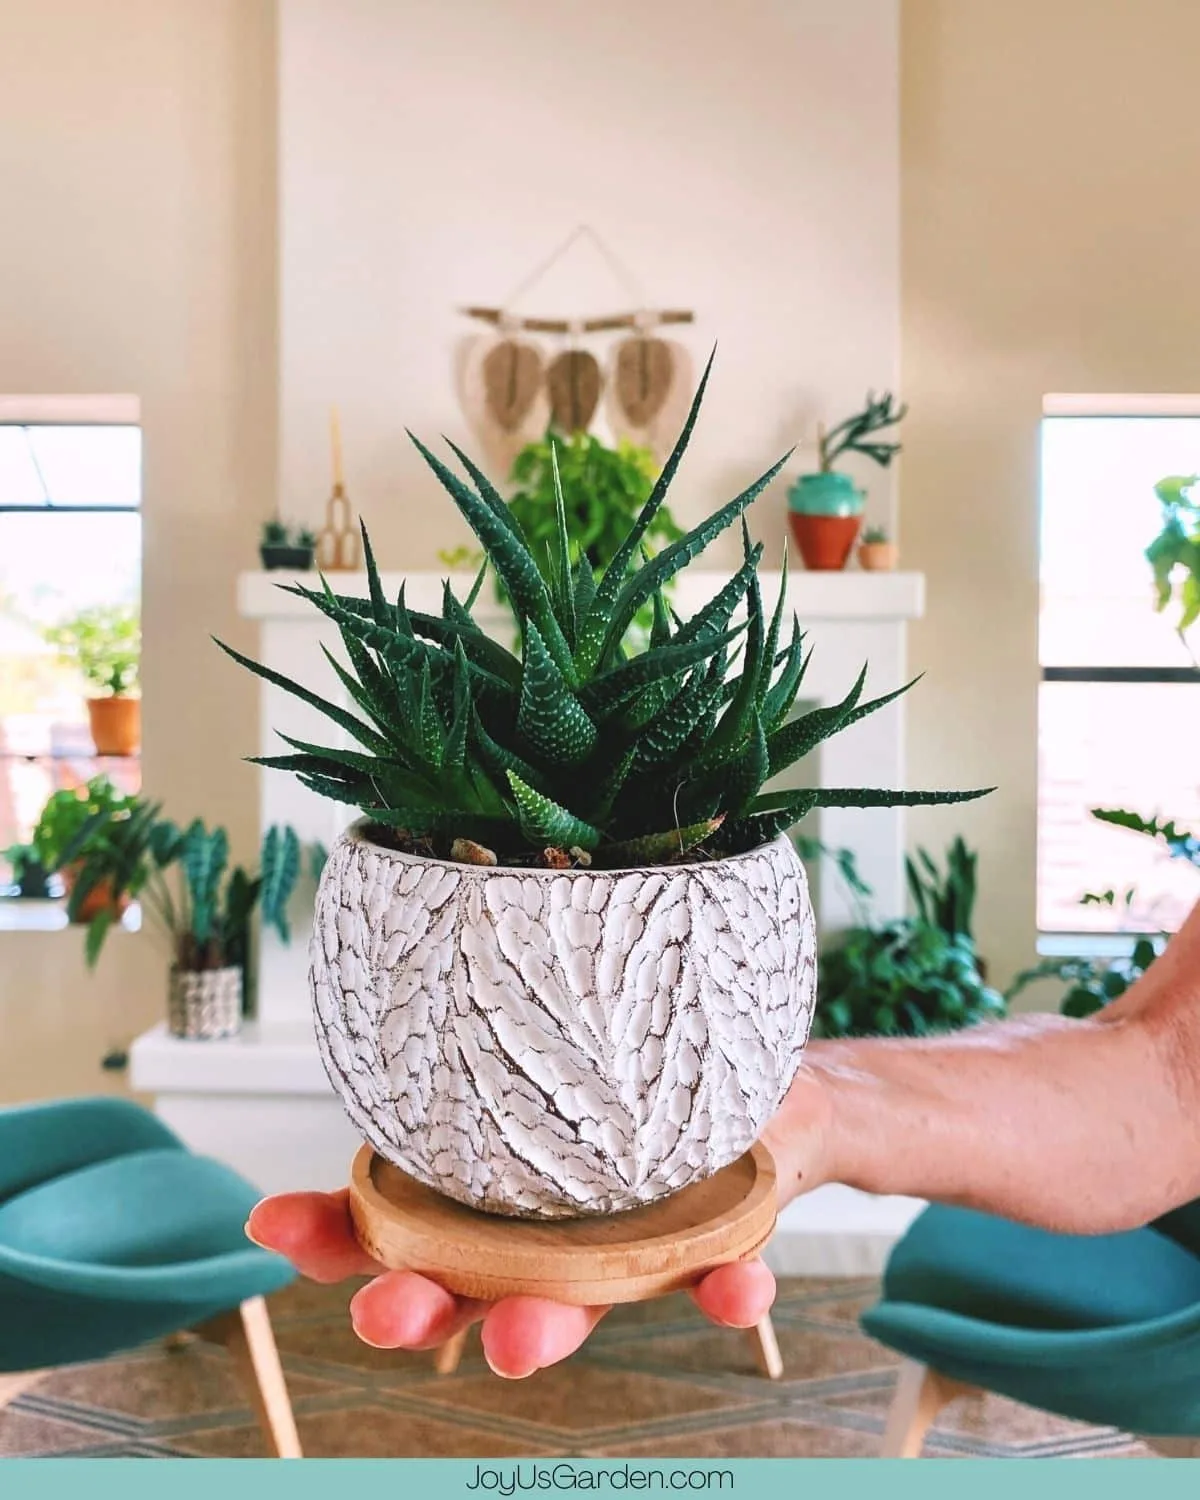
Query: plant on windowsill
[
  {"x": 825, "y": 509},
  {"x": 565, "y": 964},
  {"x": 1093, "y": 983},
  {"x": 1174, "y": 554},
  {"x": 30, "y": 876},
  {"x": 59, "y": 824},
  {"x": 104, "y": 644},
  {"x": 286, "y": 547},
  {"x": 183, "y": 881},
  {"x": 877, "y": 553}
]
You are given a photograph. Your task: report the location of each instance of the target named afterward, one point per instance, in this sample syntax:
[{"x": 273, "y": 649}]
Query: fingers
[
  {"x": 524, "y": 1334},
  {"x": 737, "y": 1295},
  {"x": 314, "y": 1232},
  {"x": 403, "y": 1310}
]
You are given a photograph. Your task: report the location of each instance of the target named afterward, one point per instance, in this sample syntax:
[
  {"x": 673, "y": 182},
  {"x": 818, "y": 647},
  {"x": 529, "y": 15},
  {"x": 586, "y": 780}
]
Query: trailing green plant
[
  {"x": 946, "y": 901},
  {"x": 104, "y": 643},
  {"x": 67, "y": 811},
  {"x": 1174, "y": 554},
  {"x": 1093, "y": 983},
  {"x": 574, "y": 744},
  {"x": 906, "y": 978},
  {"x": 860, "y": 433}
]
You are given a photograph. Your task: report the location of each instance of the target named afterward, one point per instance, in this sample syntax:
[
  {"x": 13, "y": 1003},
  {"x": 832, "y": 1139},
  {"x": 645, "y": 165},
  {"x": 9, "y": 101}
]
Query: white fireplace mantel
[{"x": 260, "y": 1101}]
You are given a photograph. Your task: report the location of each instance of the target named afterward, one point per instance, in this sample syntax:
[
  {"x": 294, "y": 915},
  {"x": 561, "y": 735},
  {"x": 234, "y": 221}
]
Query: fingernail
[{"x": 252, "y": 1237}]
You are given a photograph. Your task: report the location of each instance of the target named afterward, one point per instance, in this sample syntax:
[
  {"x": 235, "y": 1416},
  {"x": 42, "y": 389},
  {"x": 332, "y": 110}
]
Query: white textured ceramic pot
[{"x": 557, "y": 1043}]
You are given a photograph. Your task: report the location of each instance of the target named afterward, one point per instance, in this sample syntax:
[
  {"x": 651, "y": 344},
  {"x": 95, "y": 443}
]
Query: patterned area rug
[{"x": 654, "y": 1381}]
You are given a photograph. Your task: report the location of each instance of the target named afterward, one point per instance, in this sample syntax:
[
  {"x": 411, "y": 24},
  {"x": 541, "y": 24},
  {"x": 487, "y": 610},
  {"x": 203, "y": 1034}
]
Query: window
[
  {"x": 1119, "y": 704},
  {"x": 70, "y": 539}
]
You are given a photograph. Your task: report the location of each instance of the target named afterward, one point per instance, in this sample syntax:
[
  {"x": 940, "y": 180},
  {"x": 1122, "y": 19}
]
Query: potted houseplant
[
  {"x": 825, "y": 509},
  {"x": 104, "y": 643},
  {"x": 288, "y": 547},
  {"x": 183, "y": 881},
  {"x": 58, "y": 835},
  {"x": 877, "y": 553},
  {"x": 30, "y": 875},
  {"x": 565, "y": 962},
  {"x": 1174, "y": 554}
]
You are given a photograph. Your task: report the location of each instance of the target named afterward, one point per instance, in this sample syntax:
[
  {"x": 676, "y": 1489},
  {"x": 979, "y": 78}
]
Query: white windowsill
[
  {"x": 18, "y": 915},
  {"x": 1087, "y": 944}
]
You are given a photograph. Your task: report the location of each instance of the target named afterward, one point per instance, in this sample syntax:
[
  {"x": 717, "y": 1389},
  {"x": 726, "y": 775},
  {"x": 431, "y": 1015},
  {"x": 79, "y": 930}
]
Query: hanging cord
[{"x": 505, "y": 318}]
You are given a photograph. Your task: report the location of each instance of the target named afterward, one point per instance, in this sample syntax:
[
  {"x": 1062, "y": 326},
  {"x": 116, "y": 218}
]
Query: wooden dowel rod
[{"x": 586, "y": 325}]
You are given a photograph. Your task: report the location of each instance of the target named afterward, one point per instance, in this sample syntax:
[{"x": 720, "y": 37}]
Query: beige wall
[
  {"x": 1050, "y": 242},
  {"x": 742, "y": 161},
  {"x": 137, "y": 255}
]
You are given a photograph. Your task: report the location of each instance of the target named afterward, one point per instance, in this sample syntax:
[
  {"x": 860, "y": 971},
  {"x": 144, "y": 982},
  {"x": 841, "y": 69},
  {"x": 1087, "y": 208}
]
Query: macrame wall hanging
[{"x": 513, "y": 385}]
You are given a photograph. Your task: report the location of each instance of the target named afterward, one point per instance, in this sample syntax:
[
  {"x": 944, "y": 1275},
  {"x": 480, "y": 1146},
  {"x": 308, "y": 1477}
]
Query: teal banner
[{"x": 477, "y": 1479}]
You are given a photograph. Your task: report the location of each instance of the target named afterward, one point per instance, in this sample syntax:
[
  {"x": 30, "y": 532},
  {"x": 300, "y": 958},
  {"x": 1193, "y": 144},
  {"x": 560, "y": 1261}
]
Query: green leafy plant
[
  {"x": 104, "y": 643},
  {"x": 29, "y": 873},
  {"x": 183, "y": 880},
  {"x": 574, "y": 744},
  {"x": 860, "y": 433},
  {"x": 604, "y": 490},
  {"x": 906, "y": 978},
  {"x": 1093, "y": 983},
  {"x": 944, "y": 901},
  {"x": 814, "y": 850},
  {"x": 875, "y": 536},
  {"x": 67, "y": 812},
  {"x": 1174, "y": 554}
]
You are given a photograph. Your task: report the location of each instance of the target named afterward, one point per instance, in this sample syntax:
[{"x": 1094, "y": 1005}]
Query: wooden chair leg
[
  {"x": 11, "y": 1386},
  {"x": 920, "y": 1394},
  {"x": 248, "y": 1337},
  {"x": 766, "y": 1348},
  {"x": 445, "y": 1361},
  {"x": 1184, "y": 1447}
]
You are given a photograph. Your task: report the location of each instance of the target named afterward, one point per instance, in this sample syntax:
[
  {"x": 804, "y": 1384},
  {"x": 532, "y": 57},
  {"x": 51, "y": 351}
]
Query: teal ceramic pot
[{"x": 826, "y": 495}]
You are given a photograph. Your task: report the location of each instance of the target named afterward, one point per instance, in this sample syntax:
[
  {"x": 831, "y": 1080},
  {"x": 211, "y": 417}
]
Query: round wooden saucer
[{"x": 628, "y": 1257}]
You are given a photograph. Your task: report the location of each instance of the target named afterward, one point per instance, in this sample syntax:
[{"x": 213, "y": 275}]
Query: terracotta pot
[
  {"x": 554, "y": 1043},
  {"x": 98, "y": 899},
  {"x": 878, "y": 557},
  {"x": 825, "y": 542},
  {"x": 205, "y": 1004},
  {"x": 116, "y": 724}
]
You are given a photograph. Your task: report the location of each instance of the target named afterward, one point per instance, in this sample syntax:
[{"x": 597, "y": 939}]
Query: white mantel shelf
[
  {"x": 814, "y": 596},
  {"x": 261, "y": 1102}
]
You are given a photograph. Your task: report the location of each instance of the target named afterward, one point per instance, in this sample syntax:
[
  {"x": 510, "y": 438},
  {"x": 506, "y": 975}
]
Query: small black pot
[
  {"x": 33, "y": 883},
  {"x": 294, "y": 559}
]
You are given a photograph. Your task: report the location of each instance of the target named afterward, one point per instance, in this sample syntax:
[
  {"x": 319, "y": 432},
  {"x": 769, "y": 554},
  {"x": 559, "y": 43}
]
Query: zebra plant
[{"x": 575, "y": 749}]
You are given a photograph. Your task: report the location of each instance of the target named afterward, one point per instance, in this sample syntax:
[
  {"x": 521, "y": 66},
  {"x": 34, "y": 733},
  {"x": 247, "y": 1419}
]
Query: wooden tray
[{"x": 628, "y": 1257}]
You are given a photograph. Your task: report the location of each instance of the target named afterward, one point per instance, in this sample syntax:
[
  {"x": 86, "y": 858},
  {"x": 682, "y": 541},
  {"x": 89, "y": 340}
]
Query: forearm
[{"x": 1083, "y": 1126}]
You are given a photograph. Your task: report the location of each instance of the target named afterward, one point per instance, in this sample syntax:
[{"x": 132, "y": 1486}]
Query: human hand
[{"x": 520, "y": 1335}]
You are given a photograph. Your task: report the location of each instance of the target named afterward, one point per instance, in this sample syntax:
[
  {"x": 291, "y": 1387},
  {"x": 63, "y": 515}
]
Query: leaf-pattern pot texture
[{"x": 551, "y": 1044}]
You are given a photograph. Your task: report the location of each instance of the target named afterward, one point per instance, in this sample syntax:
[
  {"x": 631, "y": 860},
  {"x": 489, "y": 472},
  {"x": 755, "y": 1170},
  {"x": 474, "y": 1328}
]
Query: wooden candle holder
[{"x": 603, "y": 1259}]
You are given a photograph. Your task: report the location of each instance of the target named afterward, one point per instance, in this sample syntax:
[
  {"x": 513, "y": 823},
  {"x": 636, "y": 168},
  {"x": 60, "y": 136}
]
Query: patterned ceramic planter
[
  {"x": 557, "y": 1043},
  {"x": 205, "y": 1004}
]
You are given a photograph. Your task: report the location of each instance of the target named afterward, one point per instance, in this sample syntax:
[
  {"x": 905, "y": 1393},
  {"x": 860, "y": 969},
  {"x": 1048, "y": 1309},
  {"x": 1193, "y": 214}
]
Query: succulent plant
[
  {"x": 274, "y": 533},
  {"x": 874, "y": 535},
  {"x": 573, "y": 744}
]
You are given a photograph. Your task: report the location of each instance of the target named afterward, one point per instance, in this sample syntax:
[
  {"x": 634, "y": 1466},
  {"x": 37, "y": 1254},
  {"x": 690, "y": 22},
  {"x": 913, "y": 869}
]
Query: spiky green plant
[{"x": 574, "y": 744}]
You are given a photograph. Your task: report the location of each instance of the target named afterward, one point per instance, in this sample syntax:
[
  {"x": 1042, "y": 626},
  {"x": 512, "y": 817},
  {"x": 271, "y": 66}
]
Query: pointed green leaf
[
  {"x": 658, "y": 848},
  {"x": 549, "y": 716},
  {"x": 547, "y": 823}
]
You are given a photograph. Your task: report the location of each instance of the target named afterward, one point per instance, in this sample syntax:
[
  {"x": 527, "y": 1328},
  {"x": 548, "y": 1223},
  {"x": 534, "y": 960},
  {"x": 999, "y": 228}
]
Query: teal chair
[
  {"x": 112, "y": 1233},
  {"x": 1103, "y": 1328}
]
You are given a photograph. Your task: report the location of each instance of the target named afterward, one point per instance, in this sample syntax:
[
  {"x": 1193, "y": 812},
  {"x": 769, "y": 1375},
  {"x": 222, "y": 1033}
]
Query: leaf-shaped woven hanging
[
  {"x": 574, "y": 382},
  {"x": 512, "y": 378},
  {"x": 643, "y": 372}
]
